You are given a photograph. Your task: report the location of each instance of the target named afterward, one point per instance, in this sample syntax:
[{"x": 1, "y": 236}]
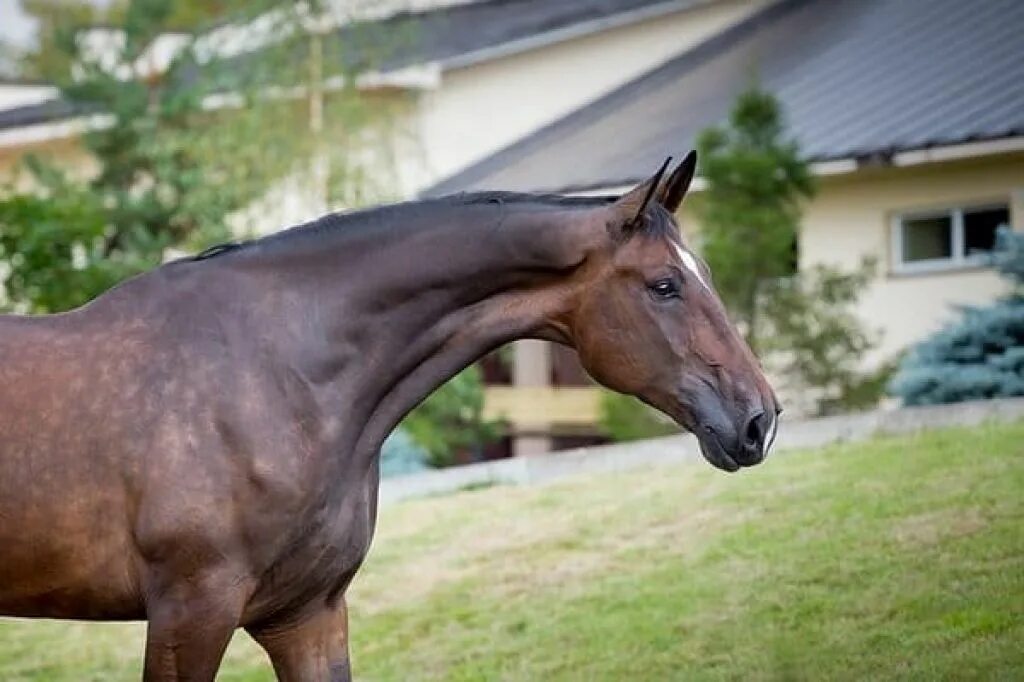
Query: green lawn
[{"x": 901, "y": 558}]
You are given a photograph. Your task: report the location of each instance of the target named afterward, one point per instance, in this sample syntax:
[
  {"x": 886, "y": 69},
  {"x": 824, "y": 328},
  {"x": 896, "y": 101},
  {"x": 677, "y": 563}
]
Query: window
[{"x": 942, "y": 240}]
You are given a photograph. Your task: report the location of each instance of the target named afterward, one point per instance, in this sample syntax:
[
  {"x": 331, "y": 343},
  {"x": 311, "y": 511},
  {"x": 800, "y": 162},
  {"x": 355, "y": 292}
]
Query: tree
[
  {"x": 750, "y": 213},
  {"x": 49, "y": 249},
  {"x": 172, "y": 173},
  {"x": 979, "y": 356},
  {"x": 69, "y": 240},
  {"x": 451, "y": 420},
  {"x": 58, "y": 21},
  {"x": 802, "y": 325},
  {"x": 816, "y": 342},
  {"x": 624, "y": 418}
]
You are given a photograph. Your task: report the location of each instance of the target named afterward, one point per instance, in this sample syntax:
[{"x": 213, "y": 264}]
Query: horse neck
[{"x": 403, "y": 311}]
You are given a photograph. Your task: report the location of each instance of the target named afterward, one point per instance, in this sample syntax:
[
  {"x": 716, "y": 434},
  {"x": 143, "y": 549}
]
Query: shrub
[
  {"x": 400, "y": 455},
  {"x": 451, "y": 420},
  {"x": 802, "y": 325},
  {"x": 979, "y": 356},
  {"x": 624, "y": 418},
  {"x": 816, "y": 341}
]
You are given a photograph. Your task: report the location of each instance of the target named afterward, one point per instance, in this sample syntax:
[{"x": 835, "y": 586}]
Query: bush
[
  {"x": 400, "y": 455},
  {"x": 802, "y": 325},
  {"x": 451, "y": 420},
  {"x": 979, "y": 356},
  {"x": 624, "y": 418},
  {"x": 813, "y": 337}
]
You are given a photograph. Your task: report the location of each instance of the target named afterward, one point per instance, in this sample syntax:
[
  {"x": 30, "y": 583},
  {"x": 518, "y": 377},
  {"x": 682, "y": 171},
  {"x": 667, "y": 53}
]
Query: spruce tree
[{"x": 979, "y": 356}]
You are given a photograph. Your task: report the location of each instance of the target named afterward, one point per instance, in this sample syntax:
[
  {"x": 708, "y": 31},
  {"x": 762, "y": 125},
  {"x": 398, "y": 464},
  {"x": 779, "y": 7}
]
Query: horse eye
[{"x": 665, "y": 288}]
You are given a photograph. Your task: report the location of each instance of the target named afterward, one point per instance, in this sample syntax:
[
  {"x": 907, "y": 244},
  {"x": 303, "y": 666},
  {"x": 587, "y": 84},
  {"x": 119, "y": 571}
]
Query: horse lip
[
  {"x": 713, "y": 451},
  {"x": 710, "y": 447},
  {"x": 715, "y": 454}
]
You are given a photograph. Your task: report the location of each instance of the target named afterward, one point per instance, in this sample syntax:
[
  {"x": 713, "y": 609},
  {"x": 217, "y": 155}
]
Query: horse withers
[{"x": 198, "y": 446}]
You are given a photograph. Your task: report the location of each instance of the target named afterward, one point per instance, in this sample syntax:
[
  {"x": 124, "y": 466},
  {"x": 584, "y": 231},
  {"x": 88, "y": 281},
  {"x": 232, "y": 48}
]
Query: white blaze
[{"x": 691, "y": 264}]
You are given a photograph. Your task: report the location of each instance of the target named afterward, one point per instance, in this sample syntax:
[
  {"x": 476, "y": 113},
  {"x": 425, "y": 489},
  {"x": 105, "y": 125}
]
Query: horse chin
[
  {"x": 716, "y": 455},
  {"x": 712, "y": 450}
]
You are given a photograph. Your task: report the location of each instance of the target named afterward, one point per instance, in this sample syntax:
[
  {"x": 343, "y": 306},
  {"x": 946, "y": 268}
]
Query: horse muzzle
[{"x": 731, "y": 440}]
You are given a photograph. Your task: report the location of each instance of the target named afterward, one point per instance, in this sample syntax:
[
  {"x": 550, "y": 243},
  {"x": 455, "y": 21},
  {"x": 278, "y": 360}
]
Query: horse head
[{"x": 648, "y": 322}]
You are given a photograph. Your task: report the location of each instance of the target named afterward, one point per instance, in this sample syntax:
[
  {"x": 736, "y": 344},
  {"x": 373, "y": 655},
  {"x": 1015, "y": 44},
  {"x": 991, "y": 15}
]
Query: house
[
  {"x": 910, "y": 111},
  {"x": 457, "y": 61}
]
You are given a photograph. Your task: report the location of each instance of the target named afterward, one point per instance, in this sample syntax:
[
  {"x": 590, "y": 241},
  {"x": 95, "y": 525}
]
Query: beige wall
[
  {"x": 68, "y": 154},
  {"x": 22, "y": 95},
  {"x": 851, "y": 217},
  {"x": 481, "y": 108}
]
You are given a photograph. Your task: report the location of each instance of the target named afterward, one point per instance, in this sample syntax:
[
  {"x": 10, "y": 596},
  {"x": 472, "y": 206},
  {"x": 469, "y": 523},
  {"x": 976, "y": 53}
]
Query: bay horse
[{"x": 198, "y": 447}]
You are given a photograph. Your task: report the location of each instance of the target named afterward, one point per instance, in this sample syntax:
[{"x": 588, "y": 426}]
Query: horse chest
[{"x": 321, "y": 560}]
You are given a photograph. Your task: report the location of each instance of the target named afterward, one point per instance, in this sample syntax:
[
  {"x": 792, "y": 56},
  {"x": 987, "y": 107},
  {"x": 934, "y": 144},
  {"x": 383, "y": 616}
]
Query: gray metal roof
[
  {"x": 31, "y": 114},
  {"x": 857, "y": 78},
  {"x": 453, "y": 36},
  {"x": 449, "y": 34}
]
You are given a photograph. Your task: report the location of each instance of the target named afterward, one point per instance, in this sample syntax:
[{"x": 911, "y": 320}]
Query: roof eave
[
  {"x": 822, "y": 167},
  {"x": 836, "y": 166}
]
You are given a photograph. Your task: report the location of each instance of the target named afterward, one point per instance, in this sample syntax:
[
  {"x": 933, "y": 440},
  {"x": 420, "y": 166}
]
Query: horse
[{"x": 198, "y": 447}]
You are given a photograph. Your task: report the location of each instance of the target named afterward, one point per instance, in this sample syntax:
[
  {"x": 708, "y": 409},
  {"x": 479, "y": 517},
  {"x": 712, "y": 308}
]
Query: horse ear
[
  {"x": 629, "y": 208},
  {"x": 672, "y": 192}
]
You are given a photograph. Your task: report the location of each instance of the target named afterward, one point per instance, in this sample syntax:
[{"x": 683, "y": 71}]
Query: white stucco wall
[
  {"x": 484, "y": 107},
  {"x": 851, "y": 217}
]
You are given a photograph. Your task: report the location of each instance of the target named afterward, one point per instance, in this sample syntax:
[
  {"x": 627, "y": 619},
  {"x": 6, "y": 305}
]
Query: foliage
[
  {"x": 9, "y": 57},
  {"x": 57, "y": 22},
  {"x": 148, "y": 194},
  {"x": 55, "y": 252},
  {"x": 451, "y": 421},
  {"x": 400, "y": 455},
  {"x": 171, "y": 172},
  {"x": 624, "y": 418},
  {"x": 816, "y": 340},
  {"x": 979, "y": 356},
  {"x": 801, "y": 325},
  {"x": 750, "y": 213}
]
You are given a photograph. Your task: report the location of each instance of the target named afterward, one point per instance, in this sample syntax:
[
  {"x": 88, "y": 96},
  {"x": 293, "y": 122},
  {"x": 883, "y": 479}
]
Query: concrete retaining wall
[{"x": 793, "y": 435}]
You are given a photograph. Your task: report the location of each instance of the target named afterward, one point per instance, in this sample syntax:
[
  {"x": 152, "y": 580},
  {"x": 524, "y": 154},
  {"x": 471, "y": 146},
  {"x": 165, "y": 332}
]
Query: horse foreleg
[
  {"x": 314, "y": 649},
  {"x": 190, "y": 625}
]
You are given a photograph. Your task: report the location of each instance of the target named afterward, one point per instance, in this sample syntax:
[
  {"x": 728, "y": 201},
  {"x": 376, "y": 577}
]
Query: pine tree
[
  {"x": 750, "y": 212},
  {"x": 803, "y": 326}
]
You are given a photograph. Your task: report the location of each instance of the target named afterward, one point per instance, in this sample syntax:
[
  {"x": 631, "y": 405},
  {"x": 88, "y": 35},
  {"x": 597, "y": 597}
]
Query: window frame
[{"x": 959, "y": 260}]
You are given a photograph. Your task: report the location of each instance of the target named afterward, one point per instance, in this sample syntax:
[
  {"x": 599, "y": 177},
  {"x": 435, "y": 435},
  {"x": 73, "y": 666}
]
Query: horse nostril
[{"x": 753, "y": 434}]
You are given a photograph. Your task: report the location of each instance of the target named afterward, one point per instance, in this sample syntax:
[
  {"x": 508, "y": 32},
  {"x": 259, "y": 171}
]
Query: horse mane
[{"x": 378, "y": 216}]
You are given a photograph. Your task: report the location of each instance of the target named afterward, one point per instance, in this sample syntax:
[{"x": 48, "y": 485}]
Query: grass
[{"x": 897, "y": 559}]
